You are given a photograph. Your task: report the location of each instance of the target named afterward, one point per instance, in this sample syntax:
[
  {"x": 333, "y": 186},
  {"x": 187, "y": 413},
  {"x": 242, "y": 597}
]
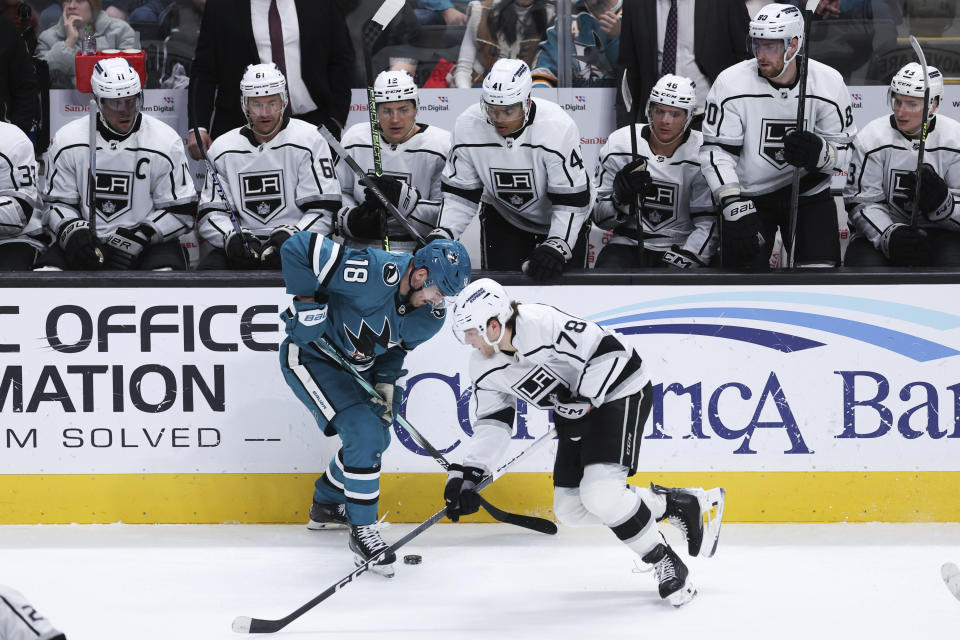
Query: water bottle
[{"x": 88, "y": 45}]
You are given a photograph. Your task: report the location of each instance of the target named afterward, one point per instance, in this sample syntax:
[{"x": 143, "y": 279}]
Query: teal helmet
[{"x": 448, "y": 263}]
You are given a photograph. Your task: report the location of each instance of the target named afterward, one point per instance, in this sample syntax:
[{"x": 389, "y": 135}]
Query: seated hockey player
[
  {"x": 672, "y": 198},
  {"x": 601, "y": 397},
  {"x": 20, "y": 620},
  {"x": 145, "y": 198},
  {"x": 520, "y": 157},
  {"x": 21, "y": 209},
  {"x": 882, "y": 187},
  {"x": 412, "y": 156},
  {"x": 373, "y": 307},
  {"x": 278, "y": 176}
]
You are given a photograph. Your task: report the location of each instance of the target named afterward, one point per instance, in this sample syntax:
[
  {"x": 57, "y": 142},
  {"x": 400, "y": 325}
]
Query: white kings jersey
[
  {"x": 19, "y": 620},
  {"x": 747, "y": 118},
  {"x": 555, "y": 353},
  {"x": 418, "y": 162},
  {"x": 287, "y": 181},
  {"x": 21, "y": 208},
  {"x": 677, "y": 208},
  {"x": 881, "y": 157},
  {"x": 142, "y": 178},
  {"x": 535, "y": 180}
]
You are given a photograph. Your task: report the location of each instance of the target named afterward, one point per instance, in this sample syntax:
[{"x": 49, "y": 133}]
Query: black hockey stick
[
  {"x": 915, "y": 211},
  {"x": 534, "y": 523},
  {"x": 244, "y": 624},
  {"x": 635, "y": 212},
  {"x": 92, "y": 179},
  {"x": 231, "y": 211}
]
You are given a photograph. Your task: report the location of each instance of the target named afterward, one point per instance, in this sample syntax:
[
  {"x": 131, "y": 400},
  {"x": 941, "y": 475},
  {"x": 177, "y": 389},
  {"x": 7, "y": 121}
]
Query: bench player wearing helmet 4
[
  {"x": 751, "y": 147},
  {"x": 373, "y": 307},
  {"x": 145, "y": 197},
  {"x": 881, "y": 185},
  {"x": 412, "y": 155},
  {"x": 601, "y": 396},
  {"x": 677, "y": 212},
  {"x": 278, "y": 173},
  {"x": 21, "y": 209},
  {"x": 20, "y": 620},
  {"x": 520, "y": 157}
]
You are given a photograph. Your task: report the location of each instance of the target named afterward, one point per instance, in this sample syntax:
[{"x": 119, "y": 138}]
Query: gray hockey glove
[
  {"x": 270, "y": 255},
  {"x": 631, "y": 181},
  {"x": 391, "y": 397},
  {"x": 81, "y": 248},
  {"x": 437, "y": 234},
  {"x": 936, "y": 201},
  {"x": 681, "y": 258},
  {"x": 548, "y": 259},
  {"x": 807, "y": 150},
  {"x": 402, "y": 195},
  {"x": 458, "y": 494},
  {"x": 568, "y": 406},
  {"x": 304, "y": 321},
  {"x": 238, "y": 256},
  {"x": 742, "y": 234},
  {"x": 905, "y": 246},
  {"x": 124, "y": 246}
]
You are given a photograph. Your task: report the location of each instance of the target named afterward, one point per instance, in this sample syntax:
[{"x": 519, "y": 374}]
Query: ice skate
[
  {"x": 698, "y": 513},
  {"x": 327, "y": 516},
  {"x": 672, "y": 574},
  {"x": 365, "y": 542}
]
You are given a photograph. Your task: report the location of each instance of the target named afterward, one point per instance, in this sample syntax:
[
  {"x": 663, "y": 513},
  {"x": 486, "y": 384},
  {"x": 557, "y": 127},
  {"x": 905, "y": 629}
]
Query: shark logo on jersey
[
  {"x": 391, "y": 274},
  {"x": 902, "y": 184},
  {"x": 514, "y": 187},
  {"x": 537, "y": 385},
  {"x": 659, "y": 204},
  {"x": 367, "y": 338},
  {"x": 261, "y": 194},
  {"x": 114, "y": 193},
  {"x": 771, "y": 142}
]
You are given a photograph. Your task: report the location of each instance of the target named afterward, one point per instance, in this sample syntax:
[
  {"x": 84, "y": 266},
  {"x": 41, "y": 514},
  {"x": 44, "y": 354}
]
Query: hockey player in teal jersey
[{"x": 373, "y": 307}]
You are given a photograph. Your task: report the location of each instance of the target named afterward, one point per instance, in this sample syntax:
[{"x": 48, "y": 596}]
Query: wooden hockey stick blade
[
  {"x": 540, "y": 525},
  {"x": 951, "y": 577},
  {"x": 387, "y": 11}
]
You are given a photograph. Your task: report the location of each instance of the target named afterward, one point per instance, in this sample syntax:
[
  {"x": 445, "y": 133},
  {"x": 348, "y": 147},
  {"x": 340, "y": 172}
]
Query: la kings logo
[
  {"x": 114, "y": 193},
  {"x": 660, "y": 204},
  {"x": 514, "y": 187},
  {"x": 536, "y": 386},
  {"x": 261, "y": 194},
  {"x": 902, "y": 184},
  {"x": 771, "y": 142}
]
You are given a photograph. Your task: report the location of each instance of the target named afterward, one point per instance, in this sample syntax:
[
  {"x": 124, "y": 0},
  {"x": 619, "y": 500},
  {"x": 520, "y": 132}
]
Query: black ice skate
[
  {"x": 672, "y": 574},
  {"x": 365, "y": 542},
  {"x": 698, "y": 513},
  {"x": 327, "y": 516}
]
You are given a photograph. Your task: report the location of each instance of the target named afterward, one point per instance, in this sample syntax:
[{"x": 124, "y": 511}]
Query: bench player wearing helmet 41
[
  {"x": 881, "y": 185},
  {"x": 145, "y": 197},
  {"x": 278, "y": 173},
  {"x": 520, "y": 157},
  {"x": 373, "y": 307},
  {"x": 600, "y": 395},
  {"x": 412, "y": 156},
  {"x": 674, "y": 202}
]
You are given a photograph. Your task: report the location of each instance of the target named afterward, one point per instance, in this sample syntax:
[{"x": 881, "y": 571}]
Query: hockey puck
[{"x": 412, "y": 559}]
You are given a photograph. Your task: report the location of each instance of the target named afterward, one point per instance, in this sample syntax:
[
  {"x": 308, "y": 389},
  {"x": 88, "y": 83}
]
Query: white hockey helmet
[
  {"x": 115, "y": 78},
  {"x": 778, "y": 22},
  {"x": 909, "y": 82},
  {"x": 508, "y": 82},
  {"x": 674, "y": 91},
  {"x": 477, "y": 303},
  {"x": 395, "y": 86},
  {"x": 263, "y": 79}
]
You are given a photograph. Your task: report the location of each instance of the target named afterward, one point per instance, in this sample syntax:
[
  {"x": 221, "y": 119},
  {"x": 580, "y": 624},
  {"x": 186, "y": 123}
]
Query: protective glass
[
  {"x": 396, "y": 110},
  {"x": 264, "y": 106},
  {"x": 661, "y": 111},
  {"x": 120, "y": 107},
  {"x": 504, "y": 112},
  {"x": 767, "y": 47},
  {"x": 906, "y": 103}
]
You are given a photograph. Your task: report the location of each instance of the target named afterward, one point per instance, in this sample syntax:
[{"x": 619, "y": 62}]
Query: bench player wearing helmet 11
[
  {"x": 278, "y": 173},
  {"x": 881, "y": 184},
  {"x": 600, "y": 395},
  {"x": 677, "y": 211},
  {"x": 145, "y": 197},
  {"x": 412, "y": 155},
  {"x": 518, "y": 158}
]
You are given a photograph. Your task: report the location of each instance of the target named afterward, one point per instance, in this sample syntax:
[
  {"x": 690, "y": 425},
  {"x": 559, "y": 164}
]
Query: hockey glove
[
  {"x": 270, "y": 256},
  {"x": 402, "y": 195},
  {"x": 548, "y": 258},
  {"x": 391, "y": 397},
  {"x": 807, "y": 150},
  {"x": 239, "y": 256},
  {"x": 124, "y": 246},
  {"x": 437, "y": 234},
  {"x": 631, "y": 181},
  {"x": 905, "y": 246},
  {"x": 936, "y": 201},
  {"x": 568, "y": 406},
  {"x": 459, "y": 496},
  {"x": 364, "y": 221},
  {"x": 742, "y": 236},
  {"x": 681, "y": 258},
  {"x": 304, "y": 321},
  {"x": 80, "y": 245}
]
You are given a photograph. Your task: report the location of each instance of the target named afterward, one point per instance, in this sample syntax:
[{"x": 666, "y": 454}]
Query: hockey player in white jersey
[
  {"x": 20, "y": 620},
  {"x": 751, "y": 147},
  {"x": 519, "y": 159},
  {"x": 881, "y": 186},
  {"x": 145, "y": 197},
  {"x": 21, "y": 209},
  {"x": 600, "y": 394},
  {"x": 412, "y": 156},
  {"x": 673, "y": 201},
  {"x": 277, "y": 171}
]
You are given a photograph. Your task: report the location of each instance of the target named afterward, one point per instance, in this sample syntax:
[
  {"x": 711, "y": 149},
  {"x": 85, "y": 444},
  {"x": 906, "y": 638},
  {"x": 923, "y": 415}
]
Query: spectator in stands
[
  {"x": 308, "y": 41},
  {"x": 19, "y": 100},
  {"x": 25, "y": 19},
  {"x": 596, "y": 44},
  {"x": 500, "y": 29},
  {"x": 60, "y": 43},
  {"x": 437, "y": 12}
]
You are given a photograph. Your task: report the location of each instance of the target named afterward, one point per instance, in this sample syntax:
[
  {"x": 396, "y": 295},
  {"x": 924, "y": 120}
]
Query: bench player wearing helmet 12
[
  {"x": 882, "y": 181},
  {"x": 519, "y": 158},
  {"x": 412, "y": 155},
  {"x": 278, "y": 173},
  {"x": 600, "y": 395},
  {"x": 675, "y": 205},
  {"x": 373, "y": 307},
  {"x": 21, "y": 208},
  {"x": 145, "y": 197},
  {"x": 751, "y": 147}
]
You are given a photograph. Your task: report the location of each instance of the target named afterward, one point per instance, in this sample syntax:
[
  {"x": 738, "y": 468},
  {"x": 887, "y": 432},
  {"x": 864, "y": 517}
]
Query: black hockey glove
[
  {"x": 80, "y": 245},
  {"x": 807, "y": 150},
  {"x": 365, "y": 221},
  {"x": 238, "y": 256},
  {"x": 742, "y": 236},
  {"x": 404, "y": 197},
  {"x": 124, "y": 246},
  {"x": 631, "y": 181},
  {"x": 459, "y": 496},
  {"x": 568, "y": 406},
  {"x": 548, "y": 258},
  {"x": 270, "y": 255},
  {"x": 936, "y": 201},
  {"x": 681, "y": 258},
  {"x": 905, "y": 246}
]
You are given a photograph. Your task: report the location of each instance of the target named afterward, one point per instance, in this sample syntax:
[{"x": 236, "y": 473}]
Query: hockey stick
[
  {"x": 92, "y": 179},
  {"x": 915, "y": 212},
  {"x": 635, "y": 212},
  {"x": 370, "y": 184},
  {"x": 951, "y": 577},
  {"x": 801, "y": 108},
  {"x": 244, "y": 624},
  {"x": 541, "y": 525}
]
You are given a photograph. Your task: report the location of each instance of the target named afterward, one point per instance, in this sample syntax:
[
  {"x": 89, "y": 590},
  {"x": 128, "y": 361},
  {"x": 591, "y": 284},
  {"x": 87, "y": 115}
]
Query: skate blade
[
  {"x": 711, "y": 514},
  {"x": 683, "y": 596},
  {"x": 951, "y": 578},
  {"x": 321, "y": 526},
  {"x": 385, "y": 570}
]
